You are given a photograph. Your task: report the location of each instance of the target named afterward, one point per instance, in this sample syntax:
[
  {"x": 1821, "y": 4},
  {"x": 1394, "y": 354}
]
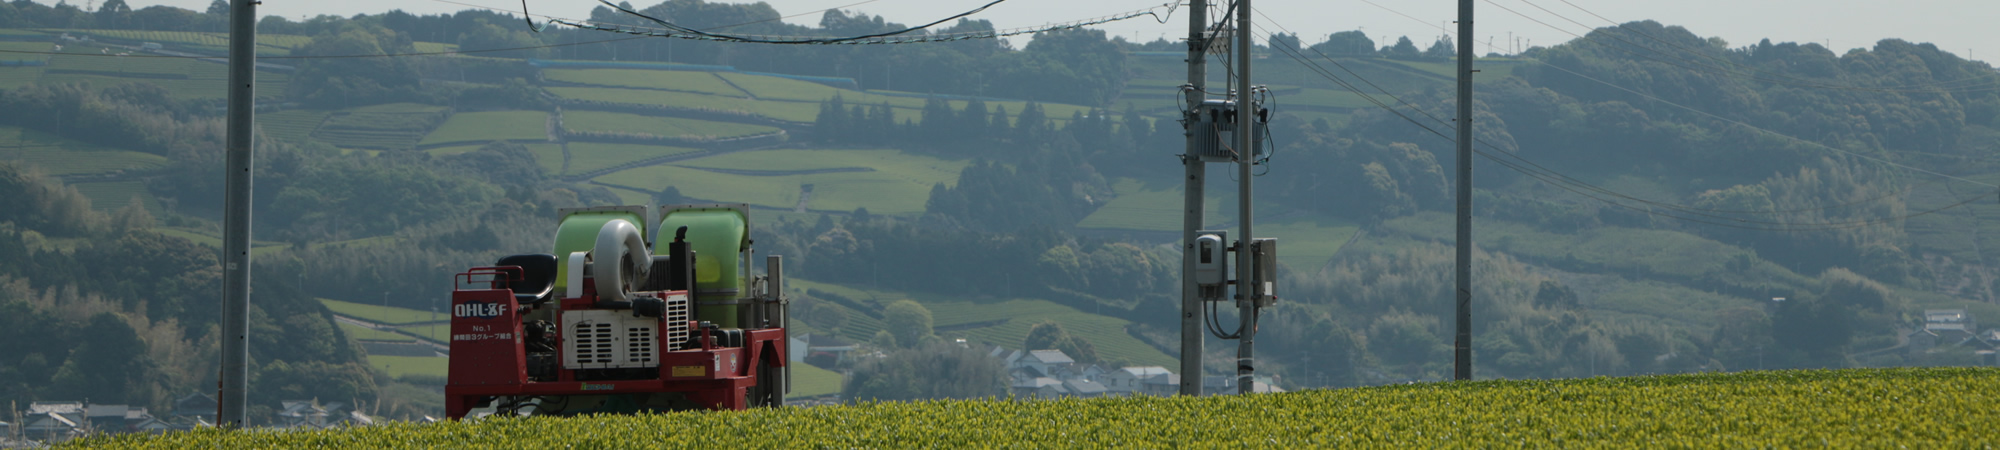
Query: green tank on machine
[
  {"x": 578, "y": 233},
  {"x": 718, "y": 234}
]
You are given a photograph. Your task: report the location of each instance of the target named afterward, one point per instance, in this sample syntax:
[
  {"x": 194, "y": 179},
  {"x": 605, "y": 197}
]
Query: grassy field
[
  {"x": 13, "y": 46},
  {"x": 790, "y": 100},
  {"x": 1855, "y": 408},
  {"x": 380, "y": 314},
  {"x": 435, "y": 332},
  {"x": 204, "y": 81},
  {"x": 781, "y": 110},
  {"x": 631, "y": 197},
  {"x": 183, "y": 78},
  {"x": 809, "y": 381},
  {"x": 701, "y": 82},
  {"x": 483, "y": 127},
  {"x": 1139, "y": 206},
  {"x": 589, "y": 156},
  {"x": 371, "y": 334},
  {"x": 398, "y": 108},
  {"x": 400, "y": 366},
  {"x": 898, "y": 183},
  {"x": 774, "y": 88},
  {"x": 62, "y": 156},
  {"x": 1306, "y": 243},
  {"x": 16, "y": 77},
  {"x": 859, "y": 326},
  {"x": 258, "y": 248},
  {"x": 95, "y": 62},
  {"x": 599, "y": 121},
  {"x": 549, "y": 156},
  {"x": 393, "y": 126},
  {"x": 293, "y": 126},
  {"x": 1630, "y": 250},
  {"x": 1325, "y": 98},
  {"x": 1105, "y": 332}
]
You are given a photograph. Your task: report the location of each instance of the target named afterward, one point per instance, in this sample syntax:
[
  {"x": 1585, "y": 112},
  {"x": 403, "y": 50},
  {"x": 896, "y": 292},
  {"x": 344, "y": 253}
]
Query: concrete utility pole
[
  {"x": 1462, "y": 346},
  {"x": 1197, "y": 174},
  {"x": 236, "y": 216},
  {"x": 1246, "y": 113}
]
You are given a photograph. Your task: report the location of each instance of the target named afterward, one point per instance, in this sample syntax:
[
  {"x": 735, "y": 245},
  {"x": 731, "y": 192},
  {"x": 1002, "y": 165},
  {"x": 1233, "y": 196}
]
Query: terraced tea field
[
  {"x": 610, "y": 122},
  {"x": 672, "y": 80},
  {"x": 371, "y": 334},
  {"x": 589, "y": 156},
  {"x": 62, "y": 156},
  {"x": 483, "y": 127},
  {"x": 884, "y": 181},
  {"x": 781, "y": 110},
  {"x": 379, "y": 314}
]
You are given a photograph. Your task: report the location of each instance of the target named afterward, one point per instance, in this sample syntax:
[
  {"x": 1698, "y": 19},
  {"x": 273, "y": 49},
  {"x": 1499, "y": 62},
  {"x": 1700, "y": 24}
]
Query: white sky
[{"x": 1957, "y": 26}]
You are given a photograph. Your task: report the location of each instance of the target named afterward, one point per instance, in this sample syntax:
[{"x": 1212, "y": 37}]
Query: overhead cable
[{"x": 675, "y": 31}]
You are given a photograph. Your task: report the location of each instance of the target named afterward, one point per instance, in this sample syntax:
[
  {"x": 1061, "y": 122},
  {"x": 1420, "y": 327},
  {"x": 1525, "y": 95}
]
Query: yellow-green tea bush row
[{"x": 1871, "y": 408}]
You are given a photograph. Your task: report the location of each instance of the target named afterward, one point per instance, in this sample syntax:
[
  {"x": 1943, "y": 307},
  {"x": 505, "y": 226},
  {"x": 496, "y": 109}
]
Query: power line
[
  {"x": 525, "y": 14},
  {"x": 443, "y": 53},
  {"x": 680, "y": 32},
  {"x": 759, "y": 40},
  {"x": 387, "y": 55}
]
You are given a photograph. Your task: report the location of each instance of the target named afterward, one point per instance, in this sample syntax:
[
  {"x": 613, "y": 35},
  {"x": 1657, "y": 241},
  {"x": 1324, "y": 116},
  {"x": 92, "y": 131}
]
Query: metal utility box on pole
[
  {"x": 1462, "y": 345},
  {"x": 235, "y": 377},
  {"x": 1191, "y": 301}
]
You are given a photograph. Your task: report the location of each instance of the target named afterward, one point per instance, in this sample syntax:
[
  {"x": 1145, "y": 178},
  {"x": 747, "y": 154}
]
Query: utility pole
[
  {"x": 1246, "y": 301},
  {"x": 1462, "y": 346},
  {"x": 1197, "y": 174},
  {"x": 232, "y": 400}
]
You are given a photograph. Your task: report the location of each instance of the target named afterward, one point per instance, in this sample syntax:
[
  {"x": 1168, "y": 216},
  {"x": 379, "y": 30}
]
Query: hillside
[
  {"x": 1847, "y": 408},
  {"x": 1639, "y": 214}
]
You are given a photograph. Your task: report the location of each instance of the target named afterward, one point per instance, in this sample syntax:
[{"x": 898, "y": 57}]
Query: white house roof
[
  {"x": 55, "y": 407},
  {"x": 118, "y": 411},
  {"x": 1038, "y": 383},
  {"x": 1944, "y": 315},
  {"x": 1945, "y": 326},
  {"x": 1051, "y": 357}
]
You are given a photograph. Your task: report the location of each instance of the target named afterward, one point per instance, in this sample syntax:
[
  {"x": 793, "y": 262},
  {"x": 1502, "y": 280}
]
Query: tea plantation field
[{"x": 1872, "y": 408}]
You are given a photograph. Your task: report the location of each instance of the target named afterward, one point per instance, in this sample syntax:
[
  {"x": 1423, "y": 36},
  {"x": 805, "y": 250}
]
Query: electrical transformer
[{"x": 1214, "y": 127}]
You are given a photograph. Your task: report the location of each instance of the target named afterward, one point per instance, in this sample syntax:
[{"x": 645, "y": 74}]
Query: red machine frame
[{"x": 489, "y": 357}]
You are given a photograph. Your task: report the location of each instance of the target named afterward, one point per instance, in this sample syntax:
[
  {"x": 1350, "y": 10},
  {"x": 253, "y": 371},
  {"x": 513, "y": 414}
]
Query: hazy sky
[{"x": 1957, "y": 26}]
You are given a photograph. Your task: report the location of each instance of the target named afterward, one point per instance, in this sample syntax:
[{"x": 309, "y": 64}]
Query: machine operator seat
[{"x": 538, "y": 277}]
